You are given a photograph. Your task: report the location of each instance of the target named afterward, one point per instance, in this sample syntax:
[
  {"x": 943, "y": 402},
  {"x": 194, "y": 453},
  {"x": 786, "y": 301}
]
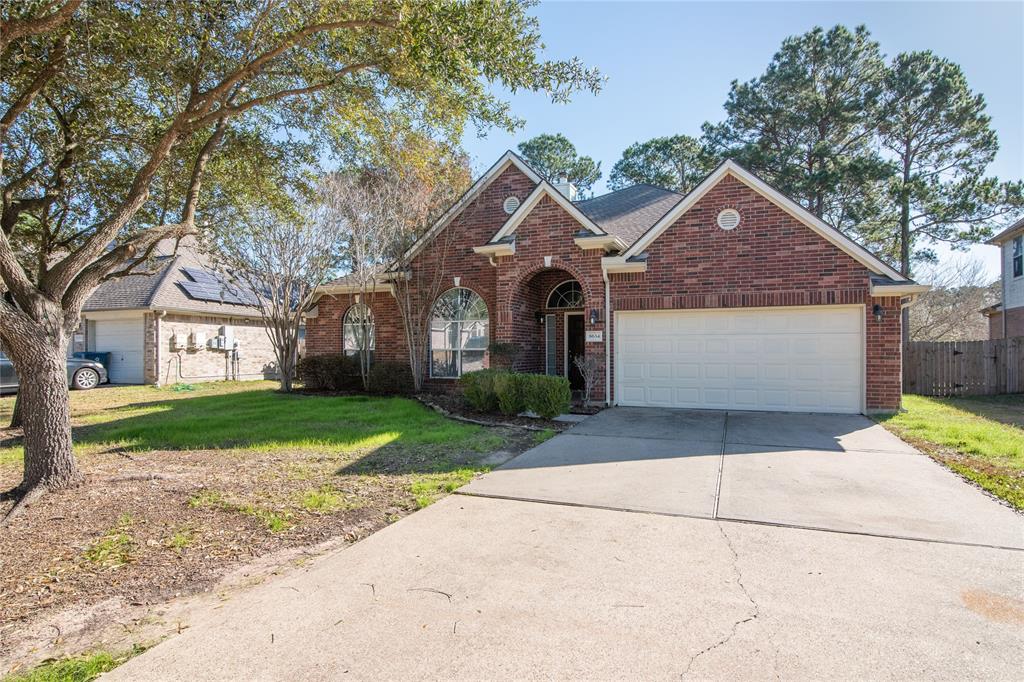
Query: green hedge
[
  {"x": 390, "y": 378},
  {"x": 548, "y": 396},
  {"x": 510, "y": 393},
  {"x": 478, "y": 390},
  {"x": 329, "y": 373}
]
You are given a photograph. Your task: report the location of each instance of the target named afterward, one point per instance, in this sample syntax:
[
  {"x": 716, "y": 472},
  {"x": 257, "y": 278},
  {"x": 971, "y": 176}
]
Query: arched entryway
[{"x": 549, "y": 324}]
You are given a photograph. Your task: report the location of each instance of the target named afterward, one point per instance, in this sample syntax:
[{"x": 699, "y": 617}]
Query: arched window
[
  {"x": 358, "y": 332},
  {"x": 566, "y": 295},
  {"x": 458, "y": 333}
]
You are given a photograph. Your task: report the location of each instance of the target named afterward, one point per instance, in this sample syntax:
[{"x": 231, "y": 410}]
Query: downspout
[
  {"x": 1005, "y": 290},
  {"x": 607, "y": 339}
]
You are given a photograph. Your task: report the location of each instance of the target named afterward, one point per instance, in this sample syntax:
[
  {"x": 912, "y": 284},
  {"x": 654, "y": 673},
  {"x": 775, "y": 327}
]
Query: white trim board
[
  {"x": 544, "y": 188},
  {"x": 731, "y": 168}
]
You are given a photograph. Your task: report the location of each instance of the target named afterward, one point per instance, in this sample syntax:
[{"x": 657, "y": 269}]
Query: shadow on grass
[
  {"x": 269, "y": 421},
  {"x": 1007, "y": 408}
]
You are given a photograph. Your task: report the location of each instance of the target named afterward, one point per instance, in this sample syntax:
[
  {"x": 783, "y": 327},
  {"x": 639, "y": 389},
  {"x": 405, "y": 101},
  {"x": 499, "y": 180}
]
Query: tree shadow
[{"x": 1007, "y": 408}]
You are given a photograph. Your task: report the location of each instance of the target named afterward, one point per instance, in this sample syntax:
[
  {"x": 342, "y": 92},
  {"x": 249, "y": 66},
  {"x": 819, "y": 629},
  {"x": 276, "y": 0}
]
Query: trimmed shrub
[
  {"x": 478, "y": 390},
  {"x": 390, "y": 378},
  {"x": 547, "y": 396},
  {"x": 336, "y": 372},
  {"x": 510, "y": 391}
]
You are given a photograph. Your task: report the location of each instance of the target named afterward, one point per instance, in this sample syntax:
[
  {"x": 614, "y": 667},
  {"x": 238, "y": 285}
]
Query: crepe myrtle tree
[
  {"x": 276, "y": 258},
  {"x": 122, "y": 121},
  {"x": 384, "y": 211}
]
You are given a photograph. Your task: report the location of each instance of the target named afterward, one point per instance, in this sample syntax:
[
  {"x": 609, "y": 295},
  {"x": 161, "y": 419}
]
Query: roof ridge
[
  {"x": 155, "y": 292},
  {"x": 624, "y": 189}
]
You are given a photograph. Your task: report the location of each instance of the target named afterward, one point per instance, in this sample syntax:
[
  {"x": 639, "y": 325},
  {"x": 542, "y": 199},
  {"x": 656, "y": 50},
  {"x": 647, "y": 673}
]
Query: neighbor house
[
  {"x": 729, "y": 297},
  {"x": 1006, "y": 318},
  {"x": 176, "y": 322}
]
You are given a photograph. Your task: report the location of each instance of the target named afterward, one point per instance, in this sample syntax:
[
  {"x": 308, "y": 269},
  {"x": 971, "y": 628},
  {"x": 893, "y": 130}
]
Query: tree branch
[{"x": 16, "y": 29}]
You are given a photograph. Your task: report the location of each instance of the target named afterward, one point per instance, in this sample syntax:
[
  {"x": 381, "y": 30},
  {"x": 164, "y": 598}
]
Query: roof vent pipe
[{"x": 566, "y": 188}]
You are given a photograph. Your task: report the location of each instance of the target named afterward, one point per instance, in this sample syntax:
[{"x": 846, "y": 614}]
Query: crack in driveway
[{"x": 736, "y": 625}]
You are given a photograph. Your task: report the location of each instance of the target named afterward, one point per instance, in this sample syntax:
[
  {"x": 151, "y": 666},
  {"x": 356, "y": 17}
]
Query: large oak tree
[{"x": 124, "y": 122}]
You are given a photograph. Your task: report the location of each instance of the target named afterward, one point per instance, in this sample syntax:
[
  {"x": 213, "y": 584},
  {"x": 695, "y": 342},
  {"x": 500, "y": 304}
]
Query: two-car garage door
[{"x": 786, "y": 359}]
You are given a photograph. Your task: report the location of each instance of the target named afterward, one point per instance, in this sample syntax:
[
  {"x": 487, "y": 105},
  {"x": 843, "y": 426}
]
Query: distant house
[
  {"x": 178, "y": 322},
  {"x": 1006, "y": 318}
]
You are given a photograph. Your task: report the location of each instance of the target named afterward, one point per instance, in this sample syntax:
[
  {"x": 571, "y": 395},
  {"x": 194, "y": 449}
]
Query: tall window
[
  {"x": 458, "y": 333},
  {"x": 566, "y": 295},
  {"x": 358, "y": 332},
  {"x": 1018, "y": 256}
]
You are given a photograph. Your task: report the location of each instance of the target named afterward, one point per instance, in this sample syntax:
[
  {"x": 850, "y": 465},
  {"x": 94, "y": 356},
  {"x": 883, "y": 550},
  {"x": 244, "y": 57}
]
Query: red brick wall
[
  {"x": 524, "y": 282},
  {"x": 323, "y": 332},
  {"x": 770, "y": 259}
]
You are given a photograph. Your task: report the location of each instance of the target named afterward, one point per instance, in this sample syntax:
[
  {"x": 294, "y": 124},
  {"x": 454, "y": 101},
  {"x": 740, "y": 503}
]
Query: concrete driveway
[
  {"x": 768, "y": 547},
  {"x": 821, "y": 471}
]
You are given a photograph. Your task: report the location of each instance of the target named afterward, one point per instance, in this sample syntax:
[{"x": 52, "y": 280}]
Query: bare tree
[
  {"x": 385, "y": 212},
  {"x": 951, "y": 310},
  {"x": 276, "y": 260},
  {"x": 590, "y": 367}
]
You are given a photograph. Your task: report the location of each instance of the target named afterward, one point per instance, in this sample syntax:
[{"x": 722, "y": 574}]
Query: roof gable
[
  {"x": 544, "y": 189},
  {"x": 475, "y": 190},
  {"x": 732, "y": 169}
]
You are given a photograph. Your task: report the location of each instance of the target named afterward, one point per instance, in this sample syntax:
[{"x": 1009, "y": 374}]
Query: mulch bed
[
  {"x": 453, "y": 404},
  {"x": 201, "y": 514}
]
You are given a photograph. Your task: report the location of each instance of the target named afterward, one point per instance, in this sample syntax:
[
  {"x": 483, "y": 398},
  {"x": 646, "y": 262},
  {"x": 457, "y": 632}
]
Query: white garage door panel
[
  {"x": 796, "y": 359},
  {"x": 123, "y": 340}
]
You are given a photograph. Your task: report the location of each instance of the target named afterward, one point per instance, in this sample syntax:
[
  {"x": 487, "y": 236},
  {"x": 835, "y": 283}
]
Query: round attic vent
[
  {"x": 510, "y": 205},
  {"x": 728, "y": 219}
]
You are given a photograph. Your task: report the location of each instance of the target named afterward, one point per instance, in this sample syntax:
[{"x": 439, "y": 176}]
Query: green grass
[
  {"x": 326, "y": 499},
  {"x": 274, "y": 520},
  {"x": 541, "y": 436},
  {"x": 226, "y": 416},
  {"x": 428, "y": 488},
  {"x": 962, "y": 433},
  {"x": 181, "y": 539},
  {"x": 114, "y": 549},
  {"x": 77, "y": 669}
]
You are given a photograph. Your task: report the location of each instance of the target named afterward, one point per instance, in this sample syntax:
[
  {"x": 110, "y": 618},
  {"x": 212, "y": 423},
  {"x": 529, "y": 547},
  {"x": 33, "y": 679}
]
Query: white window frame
[
  {"x": 550, "y": 343},
  {"x": 345, "y": 324},
  {"x": 583, "y": 302},
  {"x": 458, "y": 351},
  {"x": 1017, "y": 256}
]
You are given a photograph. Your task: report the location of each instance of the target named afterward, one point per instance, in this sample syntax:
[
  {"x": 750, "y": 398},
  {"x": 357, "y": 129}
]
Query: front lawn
[
  {"x": 980, "y": 438},
  {"x": 184, "y": 483}
]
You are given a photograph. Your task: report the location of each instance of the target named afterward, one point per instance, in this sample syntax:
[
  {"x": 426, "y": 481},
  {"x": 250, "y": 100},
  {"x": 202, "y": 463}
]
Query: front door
[{"x": 574, "y": 348}]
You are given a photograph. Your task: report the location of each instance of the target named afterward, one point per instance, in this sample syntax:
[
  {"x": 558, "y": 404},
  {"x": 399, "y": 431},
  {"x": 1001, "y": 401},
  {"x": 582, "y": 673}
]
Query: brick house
[
  {"x": 1006, "y": 318},
  {"x": 730, "y": 297},
  {"x": 175, "y": 323}
]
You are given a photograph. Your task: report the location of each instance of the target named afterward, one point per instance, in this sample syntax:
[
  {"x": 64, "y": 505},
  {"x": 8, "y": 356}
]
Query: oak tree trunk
[
  {"x": 16, "y": 415},
  {"x": 46, "y": 415}
]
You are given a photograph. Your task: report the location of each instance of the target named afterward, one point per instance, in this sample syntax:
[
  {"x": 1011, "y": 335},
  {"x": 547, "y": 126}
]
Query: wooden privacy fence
[{"x": 944, "y": 368}]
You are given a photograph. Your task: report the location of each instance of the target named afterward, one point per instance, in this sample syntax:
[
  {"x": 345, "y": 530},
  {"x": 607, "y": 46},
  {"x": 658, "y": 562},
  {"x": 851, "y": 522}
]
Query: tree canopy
[
  {"x": 678, "y": 163},
  {"x": 555, "y": 158},
  {"x": 124, "y": 122},
  {"x": 807, "y": 124},
  {"x": 940, "y": 142}
]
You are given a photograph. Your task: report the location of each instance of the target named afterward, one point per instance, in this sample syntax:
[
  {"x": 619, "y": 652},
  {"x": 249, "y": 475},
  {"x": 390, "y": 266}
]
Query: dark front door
[{"x": 574, "y": 343}]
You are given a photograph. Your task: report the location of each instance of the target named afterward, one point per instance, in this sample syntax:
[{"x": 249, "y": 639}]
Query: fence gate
[{"x": 945, "y": 368}]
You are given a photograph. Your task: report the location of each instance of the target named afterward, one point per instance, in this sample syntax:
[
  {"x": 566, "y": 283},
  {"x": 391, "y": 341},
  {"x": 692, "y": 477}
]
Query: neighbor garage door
[
  {"x": 122, "y": 338},
  {"x": 788, "y": 359}
]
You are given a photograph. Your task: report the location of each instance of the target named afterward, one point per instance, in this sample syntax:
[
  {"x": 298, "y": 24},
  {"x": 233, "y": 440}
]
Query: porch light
[
  {"x": 595, "y": 316},
  {"x": 878, "y": 311},
  {"x": 540, "y": 318}
]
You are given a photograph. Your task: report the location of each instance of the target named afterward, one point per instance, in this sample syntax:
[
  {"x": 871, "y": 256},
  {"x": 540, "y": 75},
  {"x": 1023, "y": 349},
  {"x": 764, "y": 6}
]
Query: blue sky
[{"x": 669, "y": 66}]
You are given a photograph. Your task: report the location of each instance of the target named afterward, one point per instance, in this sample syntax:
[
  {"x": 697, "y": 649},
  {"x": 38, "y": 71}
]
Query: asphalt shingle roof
[
  {"x": 629, "y": 212},
  {"x": 160, "y": 287}
]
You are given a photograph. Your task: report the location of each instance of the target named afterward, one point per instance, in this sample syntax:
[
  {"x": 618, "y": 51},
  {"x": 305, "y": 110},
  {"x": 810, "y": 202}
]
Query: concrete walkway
[{"x": 712, "y": 580}]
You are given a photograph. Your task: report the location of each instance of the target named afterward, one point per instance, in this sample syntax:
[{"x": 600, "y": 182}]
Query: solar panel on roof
[{"x": 203, "y": 285}]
